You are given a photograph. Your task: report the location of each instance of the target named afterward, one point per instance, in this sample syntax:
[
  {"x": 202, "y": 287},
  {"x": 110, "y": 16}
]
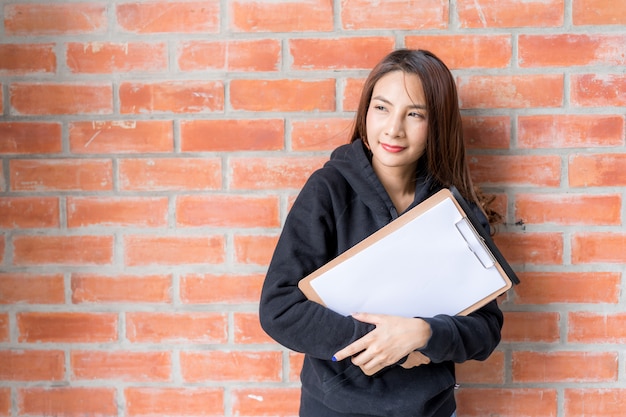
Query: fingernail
[{"x": 334, "y": 359}]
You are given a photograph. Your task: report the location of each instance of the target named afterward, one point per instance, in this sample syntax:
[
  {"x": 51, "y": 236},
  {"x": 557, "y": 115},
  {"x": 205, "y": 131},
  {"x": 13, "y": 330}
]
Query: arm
[
  {"x": 437, "y": 339},
  {"x": 308, "y": 241}
]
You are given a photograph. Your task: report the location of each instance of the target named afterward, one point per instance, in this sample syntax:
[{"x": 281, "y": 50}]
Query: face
[{"x": 397, "y": 123}]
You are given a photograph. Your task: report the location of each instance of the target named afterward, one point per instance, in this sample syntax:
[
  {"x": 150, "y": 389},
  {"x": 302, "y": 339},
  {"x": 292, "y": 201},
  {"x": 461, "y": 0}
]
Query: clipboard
[{"x": 434, "y": 259}]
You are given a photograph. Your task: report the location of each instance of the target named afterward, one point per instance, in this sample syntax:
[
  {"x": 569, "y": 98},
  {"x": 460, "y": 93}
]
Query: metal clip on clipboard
[{"x": 475, "y": 243}]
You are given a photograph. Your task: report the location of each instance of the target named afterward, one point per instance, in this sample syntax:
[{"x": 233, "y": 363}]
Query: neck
[{"x": 399, "y": 184}]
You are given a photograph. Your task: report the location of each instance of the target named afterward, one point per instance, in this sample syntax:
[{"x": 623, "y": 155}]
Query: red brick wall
[{"x": 149, "y": 152}]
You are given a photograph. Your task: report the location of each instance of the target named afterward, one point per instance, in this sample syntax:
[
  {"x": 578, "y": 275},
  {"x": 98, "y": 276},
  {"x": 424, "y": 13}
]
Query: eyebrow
[{"x": 414, "y": 106}]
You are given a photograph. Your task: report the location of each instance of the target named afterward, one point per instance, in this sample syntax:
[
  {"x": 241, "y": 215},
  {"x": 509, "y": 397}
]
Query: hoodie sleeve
[
  {"x": 308, "y": 241},
  {"x": 461, "y": 338}
]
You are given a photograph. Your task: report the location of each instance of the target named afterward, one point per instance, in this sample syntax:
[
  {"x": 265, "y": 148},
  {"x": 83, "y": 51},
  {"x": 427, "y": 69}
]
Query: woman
[{"x": 406, "y": 145}]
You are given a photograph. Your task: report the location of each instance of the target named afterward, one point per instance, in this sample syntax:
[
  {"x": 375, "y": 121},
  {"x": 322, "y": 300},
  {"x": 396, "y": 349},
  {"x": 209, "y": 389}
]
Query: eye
[
  {"x": 379, "y": 107},
  {"x": 417, "y": 114}
]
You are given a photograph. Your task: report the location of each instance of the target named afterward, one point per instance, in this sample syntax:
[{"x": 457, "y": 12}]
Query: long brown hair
[{"x": 445, "y": 149}]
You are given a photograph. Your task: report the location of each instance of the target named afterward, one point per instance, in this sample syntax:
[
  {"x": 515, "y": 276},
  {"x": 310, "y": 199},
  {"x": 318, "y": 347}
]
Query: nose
[{"x": 395, "y": 127}]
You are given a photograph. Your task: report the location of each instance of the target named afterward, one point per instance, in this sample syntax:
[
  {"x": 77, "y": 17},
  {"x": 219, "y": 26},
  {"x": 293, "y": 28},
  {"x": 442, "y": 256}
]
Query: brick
[
  {"x": 467, "y": 51},
  {"x": 110, "y": 57},
  {"x": 511, "y": 402},
  {"x": 208, "y": 288},
  {"x": 22, "y": 59},
  {"x": 233, "y": 55},
  {"x": 169, "y": 17},
  {"x": 566, "y": 50},
  {"x": 29, "y": 212},
  {"x": 510, "y": 91},
  {"x": 597, "y": 402},
  {"x": 61, "y": 99},
  {"x": 352, "y": 93},
  {"x": 568, "y": 287},
  {"x": 232, "y": 135},
  {"x": 62, "y": 250},
  {"x": 542, "y": 367},
  {"x": 117, "y": 211},
  {"x": 191, "y": 402},
  {"x": 5, "y": 402},
  {"x": 67, "y": 327},
  {"x": 598, "y": 12},
  {"x": 534, "y": 327},
  {"x": 173, "y": 250},
  {"x": 61, "y": 175},
  {"x": 4, "y": 328},
  {"x": 490, "y": 371},
  {"x": 597, "y": 170},
  {"x": 248, "y": 329},
  {"x": 599, "y": 328},
  {"x": 281, "y": 16},
  {"x": 597, "y": 90},
  {"x": 2, "y": 248},
  {"x": 372, "y": 14},
  {"x": 67, "y": 401},
  {"x": 272, "y": 173},
  {"x": 256, "y": 250},
  {"x": 55, "y": 19},
  {"x": 510, "y": 13},
  {"x": 568, "y": 209},
  {"x": 532, "y": 170},
  {"x": 121, "y": 137},
  {"x": 339, "y": 53},
  {"x": 252, "y": 402},
  {"x": 320, "y": 134},
  {"x": 227, "y": 211},
  {"x": 531, "y": 248},
  {"x": 161, "y": 174},
  {"x": 231, "y": 366},
  {"x": 176, "y": 327},
  {"x": 31, "y": 289},
  {"x": 570, "y": 131},
  {"x": 32, "y": 365},
  {"x": 121, "y": 365},
  {"x": 123, "y": 288},
  {"x": 487, "y": 132},
  {"x": 295, "y": 366},
  {"x": 598, "y": 248},
  {"x": 171, "y": 97},
  {"x": 287, "y": 95},
  {"x": 30, "y": 138}
]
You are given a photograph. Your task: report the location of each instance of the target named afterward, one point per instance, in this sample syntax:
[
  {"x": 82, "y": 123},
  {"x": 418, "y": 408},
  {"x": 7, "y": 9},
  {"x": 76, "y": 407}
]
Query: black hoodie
[{"x": 340, "y": 205}]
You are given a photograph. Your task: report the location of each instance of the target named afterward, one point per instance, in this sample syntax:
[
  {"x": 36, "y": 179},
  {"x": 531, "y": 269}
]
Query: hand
[
  {"x": 393, "y": 338},
  {"x": 415, "y": 359}
]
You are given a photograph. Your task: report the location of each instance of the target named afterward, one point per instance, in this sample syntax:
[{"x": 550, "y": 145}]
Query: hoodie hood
[{"x": 353, "y": 162}]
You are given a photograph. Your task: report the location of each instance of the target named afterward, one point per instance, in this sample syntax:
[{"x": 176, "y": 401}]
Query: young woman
[{"x": 406, "y": 145}]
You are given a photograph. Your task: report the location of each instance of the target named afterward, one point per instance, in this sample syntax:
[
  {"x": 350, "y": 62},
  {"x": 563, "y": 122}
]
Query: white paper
[{"x": 422, "y": 269}]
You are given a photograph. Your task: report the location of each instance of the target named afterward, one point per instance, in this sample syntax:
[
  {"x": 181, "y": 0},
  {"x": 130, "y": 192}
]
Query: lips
[{"x": 392, "y": 148}]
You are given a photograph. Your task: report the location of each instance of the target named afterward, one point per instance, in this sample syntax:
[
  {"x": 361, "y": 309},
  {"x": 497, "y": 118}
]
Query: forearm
[
  {"x": 461, "y": 338},
  {"x": 307, "y": 327}
]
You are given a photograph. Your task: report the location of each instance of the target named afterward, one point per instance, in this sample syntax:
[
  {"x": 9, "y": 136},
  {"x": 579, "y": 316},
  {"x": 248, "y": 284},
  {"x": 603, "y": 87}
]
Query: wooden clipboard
[{"x": 434, "y": 259}]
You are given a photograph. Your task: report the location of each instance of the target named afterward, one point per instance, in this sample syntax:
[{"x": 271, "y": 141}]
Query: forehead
[{"x": 399, "y": 85}]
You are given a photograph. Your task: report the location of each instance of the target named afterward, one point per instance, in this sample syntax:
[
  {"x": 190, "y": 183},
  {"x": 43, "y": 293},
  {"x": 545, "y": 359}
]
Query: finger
[
  {"x": 371, "y": 371},
  {"x": 368, "y": 317},
  {"x": 415, "y": 359},
  {"x": 351, "y": 350}
]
